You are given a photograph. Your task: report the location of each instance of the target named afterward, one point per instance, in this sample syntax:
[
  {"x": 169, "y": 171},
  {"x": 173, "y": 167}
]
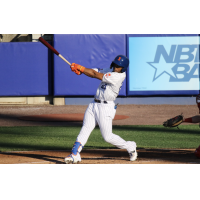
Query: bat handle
[{"x": 64, "y": 59}]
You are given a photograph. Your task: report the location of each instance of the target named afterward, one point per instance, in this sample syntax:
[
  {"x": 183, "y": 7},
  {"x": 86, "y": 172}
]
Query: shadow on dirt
[
  {"x": 41, "y": 157},
  {"x": 181, "y": 156},
  {"x": 169, "y": 156},
  {"x": 14, "y": 120}
]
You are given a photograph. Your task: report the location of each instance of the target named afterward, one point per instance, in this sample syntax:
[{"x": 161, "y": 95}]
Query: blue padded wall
[
  {"x": 25, "y": 69},
  {"x": 89, "y": 50}
]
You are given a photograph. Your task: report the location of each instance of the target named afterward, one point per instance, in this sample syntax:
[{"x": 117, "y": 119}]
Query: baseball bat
[{"x": 52, "y": 49}]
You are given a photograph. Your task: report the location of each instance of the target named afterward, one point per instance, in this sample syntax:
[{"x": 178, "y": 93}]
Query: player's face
[{"x": 117, "y": 69}]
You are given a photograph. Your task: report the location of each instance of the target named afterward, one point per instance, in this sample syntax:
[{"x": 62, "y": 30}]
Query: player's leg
[
  {"x": 104, "y": 118},
  {"x": 89, "y": 124}
]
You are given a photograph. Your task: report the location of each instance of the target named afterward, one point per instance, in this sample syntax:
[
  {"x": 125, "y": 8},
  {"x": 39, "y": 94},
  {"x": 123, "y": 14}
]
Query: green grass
[{"x": 63, "y": 138}]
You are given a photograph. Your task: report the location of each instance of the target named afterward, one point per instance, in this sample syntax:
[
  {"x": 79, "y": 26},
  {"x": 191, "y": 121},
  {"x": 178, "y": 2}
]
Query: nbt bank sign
[
  {"x": 181, "y": 62},
  {"x": 163, "y": 64}
]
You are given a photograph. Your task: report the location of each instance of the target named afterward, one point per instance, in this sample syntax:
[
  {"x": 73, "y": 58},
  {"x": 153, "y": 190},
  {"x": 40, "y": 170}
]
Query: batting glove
[{"x": 75, "y": 69}]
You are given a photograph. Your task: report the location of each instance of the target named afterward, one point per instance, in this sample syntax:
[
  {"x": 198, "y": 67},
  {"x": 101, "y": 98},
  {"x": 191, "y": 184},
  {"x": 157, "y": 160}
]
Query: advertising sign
[{"x": 163, "y": 64}]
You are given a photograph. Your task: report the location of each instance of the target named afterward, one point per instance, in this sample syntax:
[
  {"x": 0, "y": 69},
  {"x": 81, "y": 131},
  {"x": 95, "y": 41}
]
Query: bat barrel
[
  {"x": 48, "y": 45},
  {"x": 52, "y": 49}
]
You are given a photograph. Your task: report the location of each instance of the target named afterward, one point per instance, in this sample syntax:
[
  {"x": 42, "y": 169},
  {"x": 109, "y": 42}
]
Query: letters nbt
[{"x": 181, "y": 62}]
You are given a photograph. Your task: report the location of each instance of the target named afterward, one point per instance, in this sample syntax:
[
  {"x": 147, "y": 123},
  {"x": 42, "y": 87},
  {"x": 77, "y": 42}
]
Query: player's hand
[
  {"x": 78, "y": 67},
  {"x": 74, "y": 69}
]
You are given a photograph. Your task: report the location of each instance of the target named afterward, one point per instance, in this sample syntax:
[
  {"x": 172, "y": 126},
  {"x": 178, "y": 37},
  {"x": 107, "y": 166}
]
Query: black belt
[{"x": 99, "y": 101}]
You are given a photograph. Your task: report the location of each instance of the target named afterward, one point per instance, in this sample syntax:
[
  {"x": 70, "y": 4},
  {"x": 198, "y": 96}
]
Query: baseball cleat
[
  {"x": 133, "y": 155},
  {"x": 73, "y": 159}
]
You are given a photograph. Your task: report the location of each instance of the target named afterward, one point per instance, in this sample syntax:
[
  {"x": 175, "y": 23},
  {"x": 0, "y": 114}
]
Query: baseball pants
[{"x": 102, "y": 114}]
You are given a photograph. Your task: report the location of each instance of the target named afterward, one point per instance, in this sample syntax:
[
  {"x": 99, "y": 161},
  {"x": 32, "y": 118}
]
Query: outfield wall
[
  {"x": 160, "y": 66},
  {"x": 89, "y": 50},
  {"x": 25, "y": 69}
]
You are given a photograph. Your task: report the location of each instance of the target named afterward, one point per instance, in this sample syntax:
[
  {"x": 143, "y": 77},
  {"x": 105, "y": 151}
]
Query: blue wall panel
[
  {"x": 25, "y": 69},
  {"x": 91, "y": 51}
]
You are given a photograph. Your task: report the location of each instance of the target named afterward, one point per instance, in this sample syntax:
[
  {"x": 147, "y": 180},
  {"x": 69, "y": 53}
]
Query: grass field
[{"x": 63, "y": 138}]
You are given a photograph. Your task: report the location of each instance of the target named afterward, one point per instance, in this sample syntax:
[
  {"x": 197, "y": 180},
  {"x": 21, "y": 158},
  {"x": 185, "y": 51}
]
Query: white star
[{"x": 162, "y": 67}]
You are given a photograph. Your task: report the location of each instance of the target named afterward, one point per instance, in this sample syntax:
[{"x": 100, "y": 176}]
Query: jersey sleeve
[
  {"x": 112, "y": 78},
  {"x": 95, "y": 69},
  {"x": 103, "y": 71}
]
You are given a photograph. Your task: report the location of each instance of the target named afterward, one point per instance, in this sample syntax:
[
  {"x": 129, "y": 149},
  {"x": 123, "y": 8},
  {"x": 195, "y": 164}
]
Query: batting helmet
[{"x": 121, "y": 61}]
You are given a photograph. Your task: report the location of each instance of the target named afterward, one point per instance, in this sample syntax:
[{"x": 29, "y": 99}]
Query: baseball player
[
  {"x": 175, "y": 121},
  {"x": 102, "y": 109},
  {"x": 194, "y": 119}
]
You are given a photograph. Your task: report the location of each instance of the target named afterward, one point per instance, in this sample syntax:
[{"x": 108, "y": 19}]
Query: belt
[{"x": 99, "y": 101}]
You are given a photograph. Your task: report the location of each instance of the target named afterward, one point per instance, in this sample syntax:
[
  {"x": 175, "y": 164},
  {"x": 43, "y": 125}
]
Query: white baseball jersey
[{"x": 110, "y": 85}]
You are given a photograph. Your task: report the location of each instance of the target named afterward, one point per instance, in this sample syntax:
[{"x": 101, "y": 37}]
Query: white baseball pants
[{"x": 103, "y": 114}]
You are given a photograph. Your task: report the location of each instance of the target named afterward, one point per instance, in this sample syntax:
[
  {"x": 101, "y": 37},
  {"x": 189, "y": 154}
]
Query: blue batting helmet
[{"x": 121, "y": 61}]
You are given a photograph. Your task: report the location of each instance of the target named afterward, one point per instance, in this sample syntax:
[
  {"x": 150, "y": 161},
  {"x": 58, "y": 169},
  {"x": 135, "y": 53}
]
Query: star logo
[{"x": 162, "y": 67}]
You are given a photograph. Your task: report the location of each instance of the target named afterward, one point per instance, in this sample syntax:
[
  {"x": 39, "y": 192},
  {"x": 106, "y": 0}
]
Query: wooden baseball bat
[{"x": 52, "y": 49}]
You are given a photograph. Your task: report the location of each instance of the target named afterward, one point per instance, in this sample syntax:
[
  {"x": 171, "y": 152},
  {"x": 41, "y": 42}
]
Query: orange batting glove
[
  {"x": 74, "y": 68},
  {"x": 80, "y": 68}
]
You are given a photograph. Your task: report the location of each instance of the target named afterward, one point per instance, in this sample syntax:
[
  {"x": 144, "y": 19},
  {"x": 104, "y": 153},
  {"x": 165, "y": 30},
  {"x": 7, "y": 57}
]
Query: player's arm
[
  {"x": 92, "y": 73},
  {"x": 78, "y": 69}
]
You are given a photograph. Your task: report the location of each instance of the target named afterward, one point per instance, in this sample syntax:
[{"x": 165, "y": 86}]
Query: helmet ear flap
[
  {"x": 123, "y": 70},
  {"x": 111, "y": 65}
]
